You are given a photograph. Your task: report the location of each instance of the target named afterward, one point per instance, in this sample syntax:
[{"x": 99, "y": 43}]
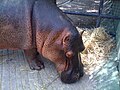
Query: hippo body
[
  {"x": 39, "y": 26},
  {"x": 15, "y": 24}
]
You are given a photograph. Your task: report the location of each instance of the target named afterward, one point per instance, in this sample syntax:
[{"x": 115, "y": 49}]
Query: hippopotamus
[{"x": 39, "y": 27}]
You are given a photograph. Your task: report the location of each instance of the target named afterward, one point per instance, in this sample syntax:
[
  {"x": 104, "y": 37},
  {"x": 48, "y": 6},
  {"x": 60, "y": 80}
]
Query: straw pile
[{"x": 98, "y": 46}]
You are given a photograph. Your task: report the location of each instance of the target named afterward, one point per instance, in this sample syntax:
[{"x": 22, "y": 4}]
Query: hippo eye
[{"x": 67, "y": 39}]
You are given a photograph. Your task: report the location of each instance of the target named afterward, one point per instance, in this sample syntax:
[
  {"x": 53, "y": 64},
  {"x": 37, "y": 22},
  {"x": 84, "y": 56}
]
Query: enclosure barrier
[{"x": 99, "y": 15}]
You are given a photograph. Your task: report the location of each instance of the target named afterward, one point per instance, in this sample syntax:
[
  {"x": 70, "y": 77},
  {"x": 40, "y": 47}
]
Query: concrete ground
[{"x": 16, "y": 75}]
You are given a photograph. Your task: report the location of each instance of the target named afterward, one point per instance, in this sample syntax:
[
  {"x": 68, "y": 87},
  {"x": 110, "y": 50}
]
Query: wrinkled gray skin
[{"x": 38, "y": 26}]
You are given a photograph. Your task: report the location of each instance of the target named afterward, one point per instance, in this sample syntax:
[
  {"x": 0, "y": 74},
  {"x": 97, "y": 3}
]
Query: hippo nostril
[
  {"x": 76, "y": 76},
  {"x": 81, "y": 74}
]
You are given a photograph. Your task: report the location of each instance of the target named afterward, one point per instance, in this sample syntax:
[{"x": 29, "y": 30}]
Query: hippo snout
[
  {"x": 73, "y": 73},
  {"x": 71, "y": 76}
]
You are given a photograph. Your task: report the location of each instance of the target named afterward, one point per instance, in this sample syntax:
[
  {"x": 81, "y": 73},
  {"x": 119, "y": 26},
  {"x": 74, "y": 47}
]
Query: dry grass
[{"x": 98, "y": 46}]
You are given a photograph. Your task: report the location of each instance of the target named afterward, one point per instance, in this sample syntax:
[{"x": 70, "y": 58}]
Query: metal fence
[{"x": 99, "y": 14}]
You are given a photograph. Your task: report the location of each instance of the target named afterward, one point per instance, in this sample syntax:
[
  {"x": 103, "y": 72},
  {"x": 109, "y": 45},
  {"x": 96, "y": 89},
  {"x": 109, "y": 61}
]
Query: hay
[{"x": 98, "y": 47}]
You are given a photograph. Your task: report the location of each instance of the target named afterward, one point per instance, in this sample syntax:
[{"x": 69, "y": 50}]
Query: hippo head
[{"x": 63, "y": 49}]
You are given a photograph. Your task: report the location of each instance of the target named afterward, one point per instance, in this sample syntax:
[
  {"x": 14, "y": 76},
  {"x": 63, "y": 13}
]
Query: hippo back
[{"x": 15, "y": 24}]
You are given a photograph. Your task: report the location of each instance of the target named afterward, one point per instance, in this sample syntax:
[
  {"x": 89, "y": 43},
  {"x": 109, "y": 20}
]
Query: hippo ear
[
  {"x": 81, "y": 33},
  {"x": 81, "y": 44}
]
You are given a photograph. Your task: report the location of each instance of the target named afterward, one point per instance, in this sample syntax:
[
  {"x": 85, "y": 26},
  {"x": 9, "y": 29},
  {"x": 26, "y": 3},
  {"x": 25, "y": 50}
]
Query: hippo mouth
[{"x": 74, "y": 70}]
